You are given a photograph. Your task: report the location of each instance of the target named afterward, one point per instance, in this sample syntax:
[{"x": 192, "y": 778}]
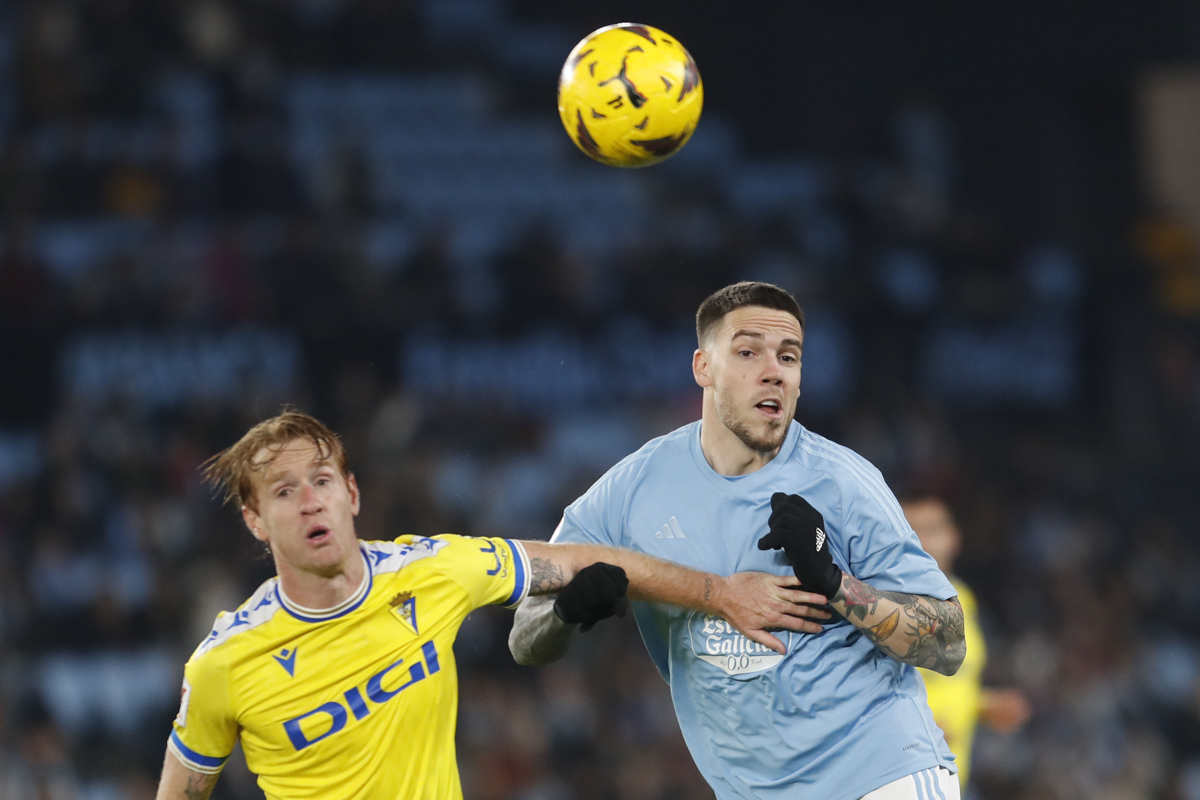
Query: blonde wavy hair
[{"x": 232, "y": 470}]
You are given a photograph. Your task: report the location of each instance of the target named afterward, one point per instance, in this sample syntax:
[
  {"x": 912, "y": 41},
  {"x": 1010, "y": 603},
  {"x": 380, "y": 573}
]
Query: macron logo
[
  {"x": 820, "y": 539},
  {"x": 287, "y": 660},
  {"x": 670, "y": 531}
]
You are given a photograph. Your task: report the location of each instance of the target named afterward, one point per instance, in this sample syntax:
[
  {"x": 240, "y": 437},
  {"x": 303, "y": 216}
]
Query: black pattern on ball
[
  {"x": 640, "y": 31},
  {"x": 585, "y": 138},
  {"x": 660, "y": 147},
  {"x": 580, "y": 57},
  {"x": 637, "y": 98},
  {"x": 691, "y": 79}
]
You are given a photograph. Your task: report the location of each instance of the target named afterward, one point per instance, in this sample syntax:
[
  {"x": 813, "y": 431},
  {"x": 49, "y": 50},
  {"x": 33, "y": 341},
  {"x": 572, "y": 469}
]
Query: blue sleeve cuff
[
  {"x": 193, "y": 760},
  {"x": 521, "y": 570}
]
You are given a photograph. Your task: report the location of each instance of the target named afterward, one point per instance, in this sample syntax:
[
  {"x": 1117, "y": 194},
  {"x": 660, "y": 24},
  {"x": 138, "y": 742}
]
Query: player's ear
[
  {"x": 352, "y": 485},
  {"x": 254, "y": 523},
  {"x": 701, "y": 368}
]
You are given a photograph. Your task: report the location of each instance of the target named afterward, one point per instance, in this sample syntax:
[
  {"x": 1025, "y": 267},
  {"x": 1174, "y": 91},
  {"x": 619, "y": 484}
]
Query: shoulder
[
  {"x": 852, "y": 473},
  {"x": 258, "y": 610},
  {"x": 658, "y": 450},
  {"x": 445, "y": 553},
  {"x": 385, "y": 557},
  {"x": 818, "y": 452},
  {"x": 863, "y": 494},
  {"x": 476, "y": 564}
]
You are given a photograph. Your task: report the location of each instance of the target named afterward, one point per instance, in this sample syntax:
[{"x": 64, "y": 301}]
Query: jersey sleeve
[
  {"x": 205, "y": 729},
  {"x": 491, "y": 570},
  {"x": 882, "y": 548}
]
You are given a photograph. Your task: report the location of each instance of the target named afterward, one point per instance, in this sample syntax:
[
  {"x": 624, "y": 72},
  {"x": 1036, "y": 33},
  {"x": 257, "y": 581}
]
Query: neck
[
  {"x": 320, "y": 591},
  {"x": 723, "y": 450}
]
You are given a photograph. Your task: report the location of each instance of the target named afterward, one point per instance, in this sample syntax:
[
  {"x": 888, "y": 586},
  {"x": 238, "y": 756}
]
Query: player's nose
[
  {"x": 772, "y": 374},
  {"x": 310, "y": 502}
]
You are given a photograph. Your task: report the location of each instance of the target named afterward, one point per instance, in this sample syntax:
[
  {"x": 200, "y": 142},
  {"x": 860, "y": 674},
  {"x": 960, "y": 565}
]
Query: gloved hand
[
  {"x": 799, "y": 530},
  {"x": 595, "y": 593}
]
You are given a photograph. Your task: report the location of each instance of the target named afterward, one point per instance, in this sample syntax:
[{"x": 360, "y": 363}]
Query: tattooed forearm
[
  {"x": 545, "y": 576},
  {"x": 911, "y": 628},
  {"x": 200, "y": 787}
]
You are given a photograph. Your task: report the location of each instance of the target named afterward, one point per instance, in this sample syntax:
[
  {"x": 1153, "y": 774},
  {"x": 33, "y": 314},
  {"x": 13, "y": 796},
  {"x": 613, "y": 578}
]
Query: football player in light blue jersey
[{"x": 838, "y": 714}]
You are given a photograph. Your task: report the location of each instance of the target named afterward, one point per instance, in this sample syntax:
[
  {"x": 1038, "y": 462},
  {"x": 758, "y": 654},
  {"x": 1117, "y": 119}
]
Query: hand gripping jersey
[
  {"x": 955, "y": 699},
  {"x": 358, "y": 701},
  {"x": 833, "y": 719}
]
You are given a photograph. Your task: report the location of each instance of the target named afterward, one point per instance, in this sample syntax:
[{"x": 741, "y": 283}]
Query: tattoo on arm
[
  {"x": 921, "y": 631},
  {"x": 707, "y": 589},
  {"x": 545, "y": 576},
  {"x": 860, "y": 599},
  {"x": 200, "y": 787},
  {"x": 881, "y": 632}
]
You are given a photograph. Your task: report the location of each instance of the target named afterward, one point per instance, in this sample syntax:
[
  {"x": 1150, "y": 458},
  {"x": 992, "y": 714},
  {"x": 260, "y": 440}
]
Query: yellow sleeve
[
  {"x": 490, "y": 570},
  {"x": 205, "y": 730}
]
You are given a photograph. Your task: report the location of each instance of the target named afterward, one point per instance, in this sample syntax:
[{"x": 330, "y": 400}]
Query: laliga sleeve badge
[
  {"x": 404, "y": 608},
  {"x": 185, "y": 697}
]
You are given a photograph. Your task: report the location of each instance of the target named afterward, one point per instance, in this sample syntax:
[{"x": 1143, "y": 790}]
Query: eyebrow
[
  {"x": 756, "y": 335},
  {"x": 273, "y": 478}
]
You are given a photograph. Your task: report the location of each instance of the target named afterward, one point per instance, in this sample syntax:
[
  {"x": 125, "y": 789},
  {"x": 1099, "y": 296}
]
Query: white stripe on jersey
[{"x": 936, "y": 783}]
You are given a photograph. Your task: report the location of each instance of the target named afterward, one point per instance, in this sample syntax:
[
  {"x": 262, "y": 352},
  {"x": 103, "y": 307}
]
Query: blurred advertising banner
[
  {"x": 1169, "y": 237},
  {"x": 1169, "y": 100}
]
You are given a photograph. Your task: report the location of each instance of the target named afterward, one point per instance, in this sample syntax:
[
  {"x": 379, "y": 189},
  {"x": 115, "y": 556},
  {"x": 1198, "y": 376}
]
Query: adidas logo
[
  {"x": 670, "y": 531},
  {"x": 820, "y": 539}
]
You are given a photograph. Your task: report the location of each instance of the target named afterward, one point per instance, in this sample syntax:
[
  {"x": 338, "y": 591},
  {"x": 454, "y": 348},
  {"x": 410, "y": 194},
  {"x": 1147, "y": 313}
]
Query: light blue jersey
[{"x": 833, "y": 719}]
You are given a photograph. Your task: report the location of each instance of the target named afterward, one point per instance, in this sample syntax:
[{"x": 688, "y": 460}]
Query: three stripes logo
[
  {"x": 820, "y": 539},
  {"x": 670, "y": 531}
]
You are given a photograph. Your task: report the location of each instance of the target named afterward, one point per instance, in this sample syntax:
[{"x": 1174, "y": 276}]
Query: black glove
[
  {"x": 799, "y": 530},
  {"x": 595, "y": 593}
]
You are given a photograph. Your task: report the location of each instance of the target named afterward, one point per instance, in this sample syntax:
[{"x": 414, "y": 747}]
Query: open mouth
[
  {"x": 770, "y": 408},
  {"x": 318, "y": 534}
]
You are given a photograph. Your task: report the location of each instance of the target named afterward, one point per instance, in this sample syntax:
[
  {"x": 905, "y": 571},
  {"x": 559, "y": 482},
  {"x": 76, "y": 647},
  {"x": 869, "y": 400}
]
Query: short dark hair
[{"x": 739, "y": 295}]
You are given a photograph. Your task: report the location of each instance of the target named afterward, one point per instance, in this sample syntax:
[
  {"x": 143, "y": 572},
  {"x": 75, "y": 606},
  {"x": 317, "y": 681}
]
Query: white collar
[{"x": 334, "y": 611}]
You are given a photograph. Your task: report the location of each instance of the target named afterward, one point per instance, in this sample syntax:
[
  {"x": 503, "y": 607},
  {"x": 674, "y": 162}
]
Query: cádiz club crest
[{"x": 404, "y": 608}]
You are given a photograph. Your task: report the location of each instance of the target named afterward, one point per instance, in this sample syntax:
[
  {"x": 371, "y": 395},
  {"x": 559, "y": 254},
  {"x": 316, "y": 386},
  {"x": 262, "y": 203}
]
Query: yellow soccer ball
[{"x": 630, "y": 95}]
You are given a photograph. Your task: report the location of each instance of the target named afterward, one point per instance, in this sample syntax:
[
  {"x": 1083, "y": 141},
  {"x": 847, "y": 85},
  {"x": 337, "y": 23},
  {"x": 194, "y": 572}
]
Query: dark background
[{"x": 368, "y": 209}]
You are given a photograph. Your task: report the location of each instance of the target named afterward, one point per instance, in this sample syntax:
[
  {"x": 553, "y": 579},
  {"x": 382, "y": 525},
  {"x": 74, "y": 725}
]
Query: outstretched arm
[
  {"x": 180, "y": 783},
  {"x": 753, "y": 602},
  {"x": 911, "y": 628}
]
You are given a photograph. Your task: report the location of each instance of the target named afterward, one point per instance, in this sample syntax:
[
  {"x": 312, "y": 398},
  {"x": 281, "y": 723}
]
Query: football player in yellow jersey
[
  {"x": 338, "y": 675},
  {"x": 959, "y": 702}
]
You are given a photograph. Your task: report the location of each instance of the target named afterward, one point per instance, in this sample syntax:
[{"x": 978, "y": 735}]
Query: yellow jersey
[
  {"x": 355, "y": 702},
  {"x": 955, "y": 699}
]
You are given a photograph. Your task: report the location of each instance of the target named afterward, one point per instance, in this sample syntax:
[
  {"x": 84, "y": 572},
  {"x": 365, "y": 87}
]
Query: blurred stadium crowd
[{"x": 212, "y": 208}]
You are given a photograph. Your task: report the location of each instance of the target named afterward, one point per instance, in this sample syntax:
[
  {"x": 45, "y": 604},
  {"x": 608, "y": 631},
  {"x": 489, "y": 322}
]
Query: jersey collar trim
[
  {"x": 755, "y": 480},
  {"x": 340, "y": 610}
]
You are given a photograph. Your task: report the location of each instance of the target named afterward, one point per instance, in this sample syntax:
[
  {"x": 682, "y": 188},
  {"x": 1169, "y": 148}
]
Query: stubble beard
[{"x": 776, "y": 432}]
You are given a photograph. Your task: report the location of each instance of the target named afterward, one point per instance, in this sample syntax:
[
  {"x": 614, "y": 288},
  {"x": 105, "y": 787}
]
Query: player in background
[
  {"x": 959, "y": 702},
  {"x": 841, "y": 715},
  {"x": 338, "y": 675}
]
